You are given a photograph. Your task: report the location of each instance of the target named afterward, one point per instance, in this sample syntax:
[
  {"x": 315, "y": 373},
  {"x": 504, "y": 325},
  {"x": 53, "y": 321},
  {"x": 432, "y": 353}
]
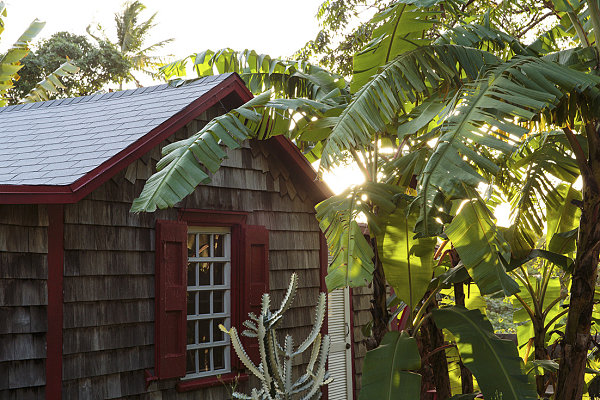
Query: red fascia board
[
  {"x": 297, "y": 161},
  {"x": 49, "y": 194}
]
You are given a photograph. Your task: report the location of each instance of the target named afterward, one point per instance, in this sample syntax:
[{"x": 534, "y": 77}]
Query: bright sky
[{"x": 274, "y": 27}]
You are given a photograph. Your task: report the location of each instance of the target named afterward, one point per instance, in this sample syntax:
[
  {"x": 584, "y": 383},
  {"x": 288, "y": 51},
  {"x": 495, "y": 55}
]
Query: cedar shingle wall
[
  {"x": 361, "y": 303},
  {"x": 109, "y": 269},
  {"x": 23, "y": 301}
]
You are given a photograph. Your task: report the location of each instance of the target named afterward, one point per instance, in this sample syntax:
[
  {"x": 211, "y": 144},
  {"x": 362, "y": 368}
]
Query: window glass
[{"x": 208, "y": 299}]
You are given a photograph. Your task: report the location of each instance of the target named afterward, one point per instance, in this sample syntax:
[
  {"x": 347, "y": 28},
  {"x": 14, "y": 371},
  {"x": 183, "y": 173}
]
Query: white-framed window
[{"x": 209, "y": 301}]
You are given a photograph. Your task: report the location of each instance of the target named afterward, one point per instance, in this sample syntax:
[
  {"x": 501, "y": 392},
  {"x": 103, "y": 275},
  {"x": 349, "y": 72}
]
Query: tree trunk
[
  {"x": 466, "y": 377},
  {"x": 379, "y": 310},
  {"x": 576, "y": 341},
  {"x": 540, "y": 353},
  {"x": 435, "y": 368}
]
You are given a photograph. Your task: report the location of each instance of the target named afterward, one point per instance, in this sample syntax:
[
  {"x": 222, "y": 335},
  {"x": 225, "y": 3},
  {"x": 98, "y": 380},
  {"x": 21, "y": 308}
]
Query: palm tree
[{"x": 131, "y": 37}]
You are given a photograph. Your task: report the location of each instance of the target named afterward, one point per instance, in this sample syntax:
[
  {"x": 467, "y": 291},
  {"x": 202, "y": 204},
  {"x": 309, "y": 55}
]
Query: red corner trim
[
  {"x": 54, "y": 336},
  {"x": 186, "y": 386},
  {"x": 37, "y": 194},
  {"x": 323, "y": 261}
]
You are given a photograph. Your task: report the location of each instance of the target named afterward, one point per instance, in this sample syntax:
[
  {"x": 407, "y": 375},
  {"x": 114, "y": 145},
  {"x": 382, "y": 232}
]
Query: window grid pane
[{"x": 209, "y": 258}]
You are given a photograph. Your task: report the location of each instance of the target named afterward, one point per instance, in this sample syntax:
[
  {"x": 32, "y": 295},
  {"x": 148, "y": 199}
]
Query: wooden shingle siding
[
  {"x": 109, "y": 269},
  {"x": 23, "y": 301},
  {"x": 361, "y": 304}
]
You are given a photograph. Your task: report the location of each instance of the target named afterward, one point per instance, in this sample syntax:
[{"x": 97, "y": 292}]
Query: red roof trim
[
  {"x": 50, "y": 194},
  {"x": 283, "y": 145}
]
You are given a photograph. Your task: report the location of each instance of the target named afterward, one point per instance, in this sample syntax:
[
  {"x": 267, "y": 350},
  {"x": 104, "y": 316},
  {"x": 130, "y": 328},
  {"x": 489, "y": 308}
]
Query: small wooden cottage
[{"x": 99, "y": 303}]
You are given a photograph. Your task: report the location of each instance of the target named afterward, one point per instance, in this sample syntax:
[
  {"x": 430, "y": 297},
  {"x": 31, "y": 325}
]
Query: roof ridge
[{"x": 99, "y": 96}]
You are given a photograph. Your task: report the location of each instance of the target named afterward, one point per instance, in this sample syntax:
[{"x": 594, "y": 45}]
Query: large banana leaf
[
  {"x": 407, "y": 262},
  {"x": 260, "y": 72},
  {"x": 10, "y": 61},
  {"x": 50, "y": 84},
  {"x": 489, "y": 114},
  {"x": 352, "y": 255},
  {"x": 482, "y": 248},
  {"x": 494, "y": 362},
  {"x": 474, "y": 35},
  {"x": 387, "y": 369},
  {"x": 563, "y": 218},
  {"x": 187, "y": 163},
  {"x": 402, "y": 28},
  {"x": 411, "y": 75},
  {"x": 530, "y": 182}
]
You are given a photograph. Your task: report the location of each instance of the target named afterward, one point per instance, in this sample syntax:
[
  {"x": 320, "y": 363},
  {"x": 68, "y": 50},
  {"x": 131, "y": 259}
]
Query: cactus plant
[{"x": 275, "y": 368}]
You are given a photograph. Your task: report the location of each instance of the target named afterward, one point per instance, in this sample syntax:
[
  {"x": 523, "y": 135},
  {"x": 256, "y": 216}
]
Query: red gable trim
[
  {"x": 50, "y": 194},
  {"x": 54, "y": 336},
  {"x": 294, "y": 158}
]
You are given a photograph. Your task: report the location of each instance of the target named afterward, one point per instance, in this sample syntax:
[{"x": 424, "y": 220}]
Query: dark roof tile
[{"x": 57, "y": 142}]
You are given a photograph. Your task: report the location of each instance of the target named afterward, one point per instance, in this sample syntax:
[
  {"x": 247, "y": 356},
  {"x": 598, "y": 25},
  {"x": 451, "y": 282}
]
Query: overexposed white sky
[{"x": 274, "y": 27}]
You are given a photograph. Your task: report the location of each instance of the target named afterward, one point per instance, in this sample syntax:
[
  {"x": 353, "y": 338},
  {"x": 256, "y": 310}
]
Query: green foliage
[
  {"x": 407, "y": 261},
  {"x": 352, "y": 255},
  {"x": 132, "y": 35},
  {"x": 388, "y": 369},
  {"x": 494, "y": 362},
  {"x": 260, "y": 72},
  {"x": 187, "y": 163},
  {"x": 98, "y": 66},
  {"x": 10, "y": 62},
  {"x": 450, "y": 114},
  {"x": 482, "y": 248}
]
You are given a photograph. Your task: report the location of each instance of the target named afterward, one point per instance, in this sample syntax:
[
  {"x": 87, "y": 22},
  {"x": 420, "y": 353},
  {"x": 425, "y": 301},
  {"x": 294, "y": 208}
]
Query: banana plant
[
  {"x": 439, "y": 117},
  {"x": 10, "y": 64}
]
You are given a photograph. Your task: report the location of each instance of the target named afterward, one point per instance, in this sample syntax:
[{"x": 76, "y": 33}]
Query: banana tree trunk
[
  {"x": 576, "y": 342},
  {"x": 540, "y": 353},
  {"x": 379, "y": 310},
  {"x": 466, "y": 377},
  {"x": 433, "y": 353}
]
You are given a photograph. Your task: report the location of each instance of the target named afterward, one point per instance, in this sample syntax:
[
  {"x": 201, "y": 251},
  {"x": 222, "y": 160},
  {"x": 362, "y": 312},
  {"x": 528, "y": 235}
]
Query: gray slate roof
[{"x": 57, "y": 142}]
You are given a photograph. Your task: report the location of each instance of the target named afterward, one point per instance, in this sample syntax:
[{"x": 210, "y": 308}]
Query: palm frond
[
  {"x": 475, "y": 35},
  {"x": 530, "y": 181}
]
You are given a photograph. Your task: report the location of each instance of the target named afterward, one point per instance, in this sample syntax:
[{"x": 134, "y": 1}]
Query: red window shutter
[
  {"x": 170, "y": 298},
  {"x": 256, "y": 278}
]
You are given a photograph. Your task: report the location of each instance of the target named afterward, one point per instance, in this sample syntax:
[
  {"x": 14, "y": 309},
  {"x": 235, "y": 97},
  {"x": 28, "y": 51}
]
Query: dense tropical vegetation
[
  {"x": 449, "y": 113},
  {"x": 99, "y": 65},
  {"x": 132, "y": 35},
  {"x": 11, "y": 64}
]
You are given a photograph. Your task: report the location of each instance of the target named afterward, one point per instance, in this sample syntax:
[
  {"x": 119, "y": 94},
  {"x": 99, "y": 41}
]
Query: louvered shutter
[
  {"x": 170, "y": 298},
  {"x": 256, "y": 278}
]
